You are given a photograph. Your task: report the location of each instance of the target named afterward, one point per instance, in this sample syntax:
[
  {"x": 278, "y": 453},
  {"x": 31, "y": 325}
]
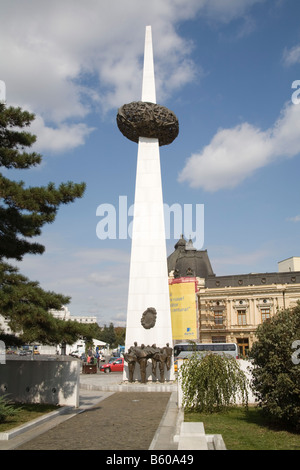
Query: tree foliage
[
  {"x": 108, "y": 335},
  {"x": 23, "y": 213},
  {"x": 276, "y": 375},
  {"x": 114, "y": 336},
  {"x": 27, "y": 307},
  {"x": 120, "y": 335},
  {"x": 212, "y": 382}
]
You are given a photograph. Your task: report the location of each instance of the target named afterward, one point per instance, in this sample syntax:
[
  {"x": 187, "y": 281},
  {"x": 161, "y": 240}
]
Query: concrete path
[{"x": 111, "y": 416}]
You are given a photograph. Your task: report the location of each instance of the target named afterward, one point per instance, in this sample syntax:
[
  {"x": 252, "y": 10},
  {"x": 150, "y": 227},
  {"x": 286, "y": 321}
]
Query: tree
[
  {"x": 27, "y": 307},
  {"x": 108, "y": 335},
  {"x": 23, "y": 213},
  {"x": 120, "y": 332},
  {"x": 276, "y": 374},
  {"x": 212, "y": 382},
  {"x": 92, "y": 331}
]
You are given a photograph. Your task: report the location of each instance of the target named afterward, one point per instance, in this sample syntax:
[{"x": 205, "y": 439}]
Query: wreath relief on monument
[
  {"x": 148, "y": 319},
  {"x": 143, "y": 119}
]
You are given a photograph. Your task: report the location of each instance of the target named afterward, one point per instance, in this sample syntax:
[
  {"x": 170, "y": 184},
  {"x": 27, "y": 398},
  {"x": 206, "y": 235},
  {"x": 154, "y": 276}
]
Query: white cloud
[
  {"x": 102, "y": 279},
  {"x": 292, "y": 56},
  {"x": 229, "y": 10},
  {"x": 227, "y": 261},
  {"x": 240, "y": 259},
  {"x": 98, "y": 256},
  {"x": 294, "y": 219},
  {"x": 235, "y": 154},
  {"x": 48, "y": 49},
  {"x": 58, "y": 139}
]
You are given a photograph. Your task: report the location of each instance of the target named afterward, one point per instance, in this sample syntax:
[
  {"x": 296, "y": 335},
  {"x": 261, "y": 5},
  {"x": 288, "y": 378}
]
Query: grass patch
[
  {"x": 26, "y": 412},
  {"x": 247, "y": 429}
]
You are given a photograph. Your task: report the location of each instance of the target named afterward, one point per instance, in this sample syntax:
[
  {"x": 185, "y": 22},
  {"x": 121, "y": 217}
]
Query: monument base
[{"x": 137, "y": 386}]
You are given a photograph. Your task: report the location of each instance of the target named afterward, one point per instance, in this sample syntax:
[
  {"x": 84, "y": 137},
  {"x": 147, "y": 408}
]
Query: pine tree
[{"x": 23, "y": 213}]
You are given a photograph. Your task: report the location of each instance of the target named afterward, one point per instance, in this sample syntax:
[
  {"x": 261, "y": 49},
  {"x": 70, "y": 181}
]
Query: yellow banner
[{"x": 183, "y": 310}]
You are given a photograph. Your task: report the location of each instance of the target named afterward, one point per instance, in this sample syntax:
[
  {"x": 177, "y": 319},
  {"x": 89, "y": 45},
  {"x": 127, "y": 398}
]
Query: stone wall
[{"x": 42, "y": 379}]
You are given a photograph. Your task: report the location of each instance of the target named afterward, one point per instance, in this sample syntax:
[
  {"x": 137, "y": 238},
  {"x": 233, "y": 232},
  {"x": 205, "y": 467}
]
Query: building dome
[
  {"x": 187, "y": 261},
  {"x": 181, "y": 243}
]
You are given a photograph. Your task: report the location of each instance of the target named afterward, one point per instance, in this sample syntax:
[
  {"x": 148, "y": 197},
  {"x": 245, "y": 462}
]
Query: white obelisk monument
[{"x": 148, "y": 279}]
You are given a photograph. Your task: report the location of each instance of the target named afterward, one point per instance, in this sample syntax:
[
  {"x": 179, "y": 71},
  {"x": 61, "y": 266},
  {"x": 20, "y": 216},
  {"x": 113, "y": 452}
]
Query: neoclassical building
[{"x": 231, "y": 307}]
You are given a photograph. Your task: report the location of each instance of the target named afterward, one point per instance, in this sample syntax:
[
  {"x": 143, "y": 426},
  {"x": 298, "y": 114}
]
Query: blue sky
[{"x": 225, "y": 68}]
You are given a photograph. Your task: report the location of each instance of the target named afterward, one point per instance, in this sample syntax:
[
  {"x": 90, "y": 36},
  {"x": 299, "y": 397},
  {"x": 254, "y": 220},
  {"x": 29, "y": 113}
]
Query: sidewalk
[{"x": 111, "y": 416}]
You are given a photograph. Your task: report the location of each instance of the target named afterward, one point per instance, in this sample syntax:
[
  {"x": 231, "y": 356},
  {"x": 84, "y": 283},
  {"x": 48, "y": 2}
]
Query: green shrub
[
  {"x": 6, "y": 409},
  {"x": 212, "y": 382},
  {"x": 276, "y": 375}
]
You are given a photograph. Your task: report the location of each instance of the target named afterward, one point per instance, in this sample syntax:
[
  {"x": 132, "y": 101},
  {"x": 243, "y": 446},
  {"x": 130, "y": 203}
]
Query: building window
[
  {"x": 241, "y": 317},
  {"x": 265, "y": 314},
  {"x": 218, "y": 314},
  {"x": 218, "y": 339}
]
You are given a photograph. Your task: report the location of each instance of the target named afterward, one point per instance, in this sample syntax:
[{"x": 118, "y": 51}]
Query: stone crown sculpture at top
[{"x": 143, "y": 119}]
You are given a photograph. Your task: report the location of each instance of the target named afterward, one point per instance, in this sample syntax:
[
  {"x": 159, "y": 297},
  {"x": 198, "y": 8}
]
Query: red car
[{"x": 115, "y": 364}]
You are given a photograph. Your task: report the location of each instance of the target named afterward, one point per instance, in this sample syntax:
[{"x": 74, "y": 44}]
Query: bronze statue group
[{"x": 140, "y": 355}]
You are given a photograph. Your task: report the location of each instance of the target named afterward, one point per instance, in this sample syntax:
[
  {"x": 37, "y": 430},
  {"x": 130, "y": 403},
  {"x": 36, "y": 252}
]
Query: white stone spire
[
  {"x": 148, "y": 279},
  {"x": 148, "y": 89}
]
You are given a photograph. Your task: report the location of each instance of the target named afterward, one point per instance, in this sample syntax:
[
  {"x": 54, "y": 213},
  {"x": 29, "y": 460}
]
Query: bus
[{"x": 187, "y": 349}]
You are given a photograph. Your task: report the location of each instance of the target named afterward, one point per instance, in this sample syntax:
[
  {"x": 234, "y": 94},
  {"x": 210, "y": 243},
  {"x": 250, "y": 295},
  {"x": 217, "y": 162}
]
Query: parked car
[
  {"x": 74, "y": 354},
  {"x": 22, "y": 352},
  {"x": 113, "y": 365},
  {"x": 11, "y": 351}
]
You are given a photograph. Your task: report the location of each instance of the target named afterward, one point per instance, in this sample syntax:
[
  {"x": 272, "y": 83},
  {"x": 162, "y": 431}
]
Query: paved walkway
[{"x": 111, "y": 416}]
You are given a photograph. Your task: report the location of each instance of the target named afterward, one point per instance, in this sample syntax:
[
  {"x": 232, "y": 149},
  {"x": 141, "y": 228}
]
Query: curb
[
  {"x": 6, "y": 435},
  {"x": 169, "y": 427}
]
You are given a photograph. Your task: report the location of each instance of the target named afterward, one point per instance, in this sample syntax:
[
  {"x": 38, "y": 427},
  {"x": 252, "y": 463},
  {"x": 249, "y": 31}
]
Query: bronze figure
[{"x": 141, "y": 354}]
